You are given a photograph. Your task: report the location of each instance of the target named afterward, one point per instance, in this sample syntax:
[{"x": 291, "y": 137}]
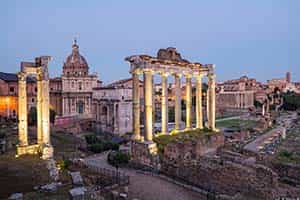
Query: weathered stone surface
[
  {"x": 16, "y": 196},
  {"x": 193, "y": 149},
  {"x": 170, "y": 54},
  {"x": 145, "y": 154},
  {"x": 220, "y": 176},
  {"x": 76, "y": 178},
  {"x": 77, "y": 193},
  {"x": 288, "y": 170},
  {"x": 53, "y": 170},
  {"x": 52, "y": 187}
]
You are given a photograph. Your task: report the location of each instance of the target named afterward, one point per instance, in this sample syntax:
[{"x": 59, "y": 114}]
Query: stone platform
[
  {"x": 46, "y": 151},
  {"x": 144, "y": 154}
]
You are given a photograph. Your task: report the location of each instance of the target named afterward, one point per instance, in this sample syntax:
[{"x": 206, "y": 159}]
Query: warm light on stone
[{"x": 43, "y": 146}]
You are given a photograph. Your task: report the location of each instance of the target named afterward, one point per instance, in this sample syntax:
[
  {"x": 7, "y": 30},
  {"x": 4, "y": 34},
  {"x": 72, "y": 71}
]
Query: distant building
[
  {"x": 237, "y": 93},
  {"x": 112, "y": 106}
]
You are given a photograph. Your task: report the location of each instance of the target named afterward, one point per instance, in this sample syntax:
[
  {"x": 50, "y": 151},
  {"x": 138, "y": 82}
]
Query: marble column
[
  {"x": 212, "y": 101},
  {"x": 177, "y": 102},
  {"x": 39, "y": 111},
  {"x": 22, "y": 110},
  {"x": 188, "y": 102},
  {"x": 199, "y": 117},
  {"x": 164, "y": 104},
  {"x": 148, "y": 105},
  {"x": 136, "y": 105},
  {"x": 45, "y": 112}
]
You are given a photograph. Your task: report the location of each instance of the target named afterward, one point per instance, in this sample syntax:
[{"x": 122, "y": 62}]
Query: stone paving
[{"x": 147, "y": 187}]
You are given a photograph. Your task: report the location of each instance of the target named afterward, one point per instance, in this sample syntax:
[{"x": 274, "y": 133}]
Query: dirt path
[{"x": 147, "y": 187}]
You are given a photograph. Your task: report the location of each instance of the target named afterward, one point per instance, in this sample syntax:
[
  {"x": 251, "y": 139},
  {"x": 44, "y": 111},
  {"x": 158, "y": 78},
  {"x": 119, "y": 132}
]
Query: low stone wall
[
  {"x": 224, "y": 177},
  {"x": 289, "y": 171},
  {"x": 144, "y": 154},
  {"x": 194, "y": 149}
]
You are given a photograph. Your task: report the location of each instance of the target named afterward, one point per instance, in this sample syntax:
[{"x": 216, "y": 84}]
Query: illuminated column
[
  {"x": 199, "y": 117},
  {"x": 22, "y": 110},
  {"x": 177, "y": 102},
  {"x": 208, "y": 106},
  {"x": 188, "y": 102},
  {"x": 45, "y": 112},
  {"x": 39, "y": 110},
  {"x": 148, "y": 105},
  {"x": 164, "y": 104},
  {"x": 136, "y": 105},
  {"x": 212, "y": 101}
]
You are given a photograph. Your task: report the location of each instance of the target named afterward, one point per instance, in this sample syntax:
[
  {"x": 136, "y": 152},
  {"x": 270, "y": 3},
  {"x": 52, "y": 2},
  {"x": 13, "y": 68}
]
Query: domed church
[{"x": 76, "y": 86}]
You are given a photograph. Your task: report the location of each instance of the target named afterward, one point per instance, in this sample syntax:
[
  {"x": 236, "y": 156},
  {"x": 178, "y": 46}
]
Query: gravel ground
[{"x": 147, "y": 187}]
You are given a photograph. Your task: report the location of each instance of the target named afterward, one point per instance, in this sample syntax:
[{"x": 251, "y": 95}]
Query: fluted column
[
  {"x": 164, "y": 104},
  {"x": 39, "y": 111},
  {"x": 199, "y": 117},
  {"x": 148, "y": 105},
  {"x": 188, "y": 102},
  {"x": 177, "y": 102},
  {"x": 212, "y": 101},
  {"x": 22, "y": 110},
  {"x": 45, "y": 112},
  {"x": 136, "y": 105}
]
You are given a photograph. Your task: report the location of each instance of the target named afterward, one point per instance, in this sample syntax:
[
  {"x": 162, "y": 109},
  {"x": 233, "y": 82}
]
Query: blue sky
[{"x": 255, "y": 38}]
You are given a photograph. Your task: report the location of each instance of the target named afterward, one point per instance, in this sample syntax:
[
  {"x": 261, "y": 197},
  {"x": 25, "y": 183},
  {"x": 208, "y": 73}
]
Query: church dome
[{"x": 75, "y": 64}]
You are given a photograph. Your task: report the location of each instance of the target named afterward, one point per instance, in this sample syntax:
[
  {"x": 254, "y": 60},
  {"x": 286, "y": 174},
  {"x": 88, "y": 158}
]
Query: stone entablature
[{"x": 79, "y": 84}]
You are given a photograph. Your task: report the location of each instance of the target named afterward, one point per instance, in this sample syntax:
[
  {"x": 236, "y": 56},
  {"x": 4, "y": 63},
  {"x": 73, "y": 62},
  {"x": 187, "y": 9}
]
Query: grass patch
[
  {"x": 285, "y": 156},
  {"x": 230, "y": 123},
  {"x": 191, "y": 135}
]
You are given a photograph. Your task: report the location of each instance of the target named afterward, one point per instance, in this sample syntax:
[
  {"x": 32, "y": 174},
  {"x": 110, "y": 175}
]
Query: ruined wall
[
  {"x": 222, "y": 174},
  {"x": 289, "y": 171}
]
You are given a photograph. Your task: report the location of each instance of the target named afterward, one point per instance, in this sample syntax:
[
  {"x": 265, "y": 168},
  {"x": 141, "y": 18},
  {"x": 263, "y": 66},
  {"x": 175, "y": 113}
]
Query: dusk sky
[{"x": 258, "y": 38}]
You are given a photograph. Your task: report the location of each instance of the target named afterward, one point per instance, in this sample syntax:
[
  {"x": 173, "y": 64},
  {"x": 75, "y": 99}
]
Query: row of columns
[
  {"x": 148, "y": 103},
  {"x": 43, "y": 119}
]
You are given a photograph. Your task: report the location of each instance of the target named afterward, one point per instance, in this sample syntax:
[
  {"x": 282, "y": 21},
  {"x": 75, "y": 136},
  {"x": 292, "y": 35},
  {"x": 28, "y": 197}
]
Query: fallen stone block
[
  {"x": 77, "y": 193},
  {"x": 16, "y": 196},
  {"x": 76, "y": 178},
  {"x": 52, "y": 187}
]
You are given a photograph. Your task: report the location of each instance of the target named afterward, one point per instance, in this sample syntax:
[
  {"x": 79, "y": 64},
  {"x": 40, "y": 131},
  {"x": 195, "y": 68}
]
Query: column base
[
  {"x": 46, "y": 151},
  {"x": 144, "y": 154}
]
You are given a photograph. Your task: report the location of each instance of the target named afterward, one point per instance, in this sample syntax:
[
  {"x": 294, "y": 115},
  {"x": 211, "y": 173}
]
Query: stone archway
[{"x": 40, "y": 69}]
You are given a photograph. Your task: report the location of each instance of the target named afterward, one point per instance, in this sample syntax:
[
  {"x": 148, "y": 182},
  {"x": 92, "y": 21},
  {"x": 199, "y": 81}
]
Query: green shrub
[
  {"x": 103, "y": 146},
  {"x": 64, "y": 164},
  {"x": 118, "y": 158},
  {"x": 91, "y": 139}
]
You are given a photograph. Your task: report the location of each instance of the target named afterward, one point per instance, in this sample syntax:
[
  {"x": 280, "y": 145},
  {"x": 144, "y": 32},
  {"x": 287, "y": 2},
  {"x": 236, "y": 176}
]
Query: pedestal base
[
  {"x": 144, "y": 154},
  {"x": 46, "y": 151}
]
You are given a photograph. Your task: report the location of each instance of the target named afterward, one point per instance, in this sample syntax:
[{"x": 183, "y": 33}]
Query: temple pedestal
[
  {"x": 144, "y": 154},
  {"x": 46, "y": 151}
]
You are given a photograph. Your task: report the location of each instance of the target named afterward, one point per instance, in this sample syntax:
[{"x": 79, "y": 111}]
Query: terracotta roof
[{"x": 10, "y": 77}]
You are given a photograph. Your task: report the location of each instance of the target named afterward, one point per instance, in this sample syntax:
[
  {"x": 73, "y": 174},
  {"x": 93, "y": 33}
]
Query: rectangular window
[{"x": 12, "y": 89}]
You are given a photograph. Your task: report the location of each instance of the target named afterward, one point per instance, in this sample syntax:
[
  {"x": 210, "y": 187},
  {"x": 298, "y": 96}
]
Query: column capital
[
  {"x": 187, "y": 75},
  {"x": 164, "y": 74},
  {"x": 136, "y": 71},
  {"x": 146, "y": 71},
  {"x": 211, "y": 76},
  {"x": 199, "y": 76},
  {"x": 22, "y": 76},
  {"x": 177, "y": 75}
]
